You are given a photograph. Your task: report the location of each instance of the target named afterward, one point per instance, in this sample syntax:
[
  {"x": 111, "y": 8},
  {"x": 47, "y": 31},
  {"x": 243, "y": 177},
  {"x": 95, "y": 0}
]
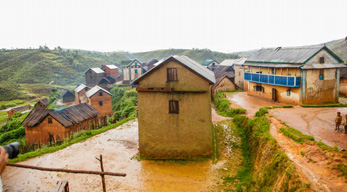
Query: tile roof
[
  {"x": 95, "y": 89},
  {"x": 67, "y": 117}
]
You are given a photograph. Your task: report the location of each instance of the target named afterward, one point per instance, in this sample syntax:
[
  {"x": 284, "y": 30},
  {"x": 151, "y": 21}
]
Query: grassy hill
[{"x": 67, "y": 67}]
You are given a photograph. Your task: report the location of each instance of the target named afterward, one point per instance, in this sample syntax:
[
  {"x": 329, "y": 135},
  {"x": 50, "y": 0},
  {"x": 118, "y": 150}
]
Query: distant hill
[{"x": 67, "y": 67}]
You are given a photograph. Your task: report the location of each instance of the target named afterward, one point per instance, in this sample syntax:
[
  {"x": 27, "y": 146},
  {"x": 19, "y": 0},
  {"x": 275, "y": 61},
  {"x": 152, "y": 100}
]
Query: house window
[
  {"x": 173, "y": 106},
  {"x": 135, "y": 70},
  {"x": 100, "y": 103},
  {"x": 273, "y": 71},
  {"x": 171, "y": 74},
  {"x": 100, "y": 93},
  {"x": 288, "y": 92},
  {"x": 49, "y": 120},
  {"x": 259, "y": 88},
  {"x": 321, "y": 60},
  {"x": 321, "y": 74}
]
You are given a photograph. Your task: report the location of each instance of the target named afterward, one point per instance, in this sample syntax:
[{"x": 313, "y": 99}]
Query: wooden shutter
[
  {"x": 171, "y": 74},
  {"x": 173, "y": 106}
]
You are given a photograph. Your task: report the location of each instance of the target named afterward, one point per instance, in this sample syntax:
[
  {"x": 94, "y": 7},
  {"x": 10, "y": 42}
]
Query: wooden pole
[
  {"x": 102, "y": 176},
  {"x": 66, "y": 170}
]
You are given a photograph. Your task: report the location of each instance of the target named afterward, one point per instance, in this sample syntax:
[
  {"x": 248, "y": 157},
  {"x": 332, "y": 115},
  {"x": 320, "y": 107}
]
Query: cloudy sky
[{"x": 144, "y": 25}]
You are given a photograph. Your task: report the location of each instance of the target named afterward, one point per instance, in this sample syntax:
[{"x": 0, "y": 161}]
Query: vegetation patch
[
  {"x": 262, "y": 112},
  {"x": 296, "y": 135},
  {"x": 343, "y": 169},
  {"x": 223, "y": 106},
  {"x": 327, "y": 105},
  {"x": 124, "y": 102},
  {"x": 274, "y": 169}
]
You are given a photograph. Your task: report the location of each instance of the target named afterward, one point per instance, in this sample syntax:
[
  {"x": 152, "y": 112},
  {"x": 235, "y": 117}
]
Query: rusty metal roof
[
  {"x": 21, "y": 108},
  {"x": 44, "y": 102},
  {"x": 67, "y": 117}
]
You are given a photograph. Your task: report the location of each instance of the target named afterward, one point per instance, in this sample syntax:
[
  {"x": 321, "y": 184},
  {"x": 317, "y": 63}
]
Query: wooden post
[{"x": 102, "y": 176}]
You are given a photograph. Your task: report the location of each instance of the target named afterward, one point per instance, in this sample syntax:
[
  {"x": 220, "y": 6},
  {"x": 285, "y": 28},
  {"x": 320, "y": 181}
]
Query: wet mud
[{"x": 119, "y": 148}]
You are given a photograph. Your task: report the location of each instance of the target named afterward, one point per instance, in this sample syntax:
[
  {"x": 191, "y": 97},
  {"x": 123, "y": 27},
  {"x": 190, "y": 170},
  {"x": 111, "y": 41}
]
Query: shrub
[{"x": 262, "y": 111}]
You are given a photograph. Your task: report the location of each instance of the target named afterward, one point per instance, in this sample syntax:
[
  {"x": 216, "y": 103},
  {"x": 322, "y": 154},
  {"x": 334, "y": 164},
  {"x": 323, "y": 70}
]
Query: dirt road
[
  {"x": 119, "y": 148},
  {"x": 317, "y": 122}
]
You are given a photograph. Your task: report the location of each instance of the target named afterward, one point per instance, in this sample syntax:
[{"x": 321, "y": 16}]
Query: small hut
[
  {"x": 42, "y": 104},
  {"x": 47, "y": 126},
  {"x": 11, "y": 112},
  {"x": 67, "y": 96}
]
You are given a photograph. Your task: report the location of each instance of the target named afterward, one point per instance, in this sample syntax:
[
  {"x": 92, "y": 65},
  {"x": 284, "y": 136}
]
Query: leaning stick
[{"x": 66, "y": 170}]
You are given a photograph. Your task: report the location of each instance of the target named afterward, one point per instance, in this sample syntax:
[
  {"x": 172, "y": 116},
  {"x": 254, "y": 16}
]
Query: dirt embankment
[{"x": 318, "y": 164}]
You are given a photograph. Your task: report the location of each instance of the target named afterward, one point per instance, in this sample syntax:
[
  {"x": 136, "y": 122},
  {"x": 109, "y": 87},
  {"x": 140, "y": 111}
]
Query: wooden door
[{"x": 274, "y": 94}]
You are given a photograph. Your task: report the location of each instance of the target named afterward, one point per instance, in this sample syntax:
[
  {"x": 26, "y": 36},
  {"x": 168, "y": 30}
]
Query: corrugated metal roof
[
  {"x": 112, "y": 66},
  {"x": 69, "y": 116},
  {"x": 189, "y": 63},
  {"x": 94, "y": 90},
  {"x": 240, "y": 61},
  {"x": 207, "y": 62},
  {"x": 343, "y": 73},
  {"x": 272, "y": 65},
  {"x": 323, "y": 66},
  {"x": 97, "y": 70},
  {"x": 80, "y": 88},
  {"x": 228, "y": 62},
  {"x": 285, "y": 54}
]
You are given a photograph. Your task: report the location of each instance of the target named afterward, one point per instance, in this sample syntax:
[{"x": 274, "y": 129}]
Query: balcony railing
[{"x": 287, "y": 81}]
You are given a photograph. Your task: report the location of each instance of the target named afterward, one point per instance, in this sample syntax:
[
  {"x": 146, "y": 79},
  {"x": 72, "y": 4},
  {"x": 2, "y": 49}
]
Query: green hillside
[{"x": 67, "y": 67}]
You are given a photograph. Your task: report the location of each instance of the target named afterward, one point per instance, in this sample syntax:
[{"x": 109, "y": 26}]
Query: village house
[
  {"x": 210, "y": 64},
  {"x": 67, "y": 96},
  {"x": 106, "y": 76},
  {"x": 14, "y": 110},
  {"x": 43, "y": 126},
  {"x": 225, "y": 77},
  {"x": 131, "y": 70},
  {"x": 150, "y": 64},
  {"x": 101, "y": 100},
  {"x": 93, "y": 76},
  {"x": 298, "y": 75},
  {"x": 110, "y": 71},
  {"x": 239, "y": 72},
  {"x": 174, "y": 109},
  {"x": 42, "y": 104},
  {"x": 80, "y": 94}
]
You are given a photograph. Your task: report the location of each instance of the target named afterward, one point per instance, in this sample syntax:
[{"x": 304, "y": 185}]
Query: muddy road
[
  {"x": 119, "y": 148},
  {"x": 317, "y": 122}
]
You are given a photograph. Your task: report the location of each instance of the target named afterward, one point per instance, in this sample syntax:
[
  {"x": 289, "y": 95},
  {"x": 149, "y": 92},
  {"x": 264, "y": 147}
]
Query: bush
[{"x": 262, "y": 111}]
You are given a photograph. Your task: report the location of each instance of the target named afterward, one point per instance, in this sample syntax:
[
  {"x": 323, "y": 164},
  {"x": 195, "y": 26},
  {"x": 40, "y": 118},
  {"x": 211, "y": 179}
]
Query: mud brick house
[
  {"x": 101, "y": 100},
  {"x": 299, "y": 75},
  {"x": 110, "y": 71},
  {"x": 239, "y": 72},
  {"x": 150, "y": 64},
  {"x": 17, "y": 109},
  {"x": 67, "y": 96},
  {"x": 93, "y": 76},
  {"x": 80, "y": 94},
  {"x": 225, "y": 77},
  {"x": 131, "y": 70},
  {"x": 210, "y": 64},
  {"x": 42, "y": 104},
  {"x": 48, "y": 126},
  {"x": 174, "y": 109}
]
